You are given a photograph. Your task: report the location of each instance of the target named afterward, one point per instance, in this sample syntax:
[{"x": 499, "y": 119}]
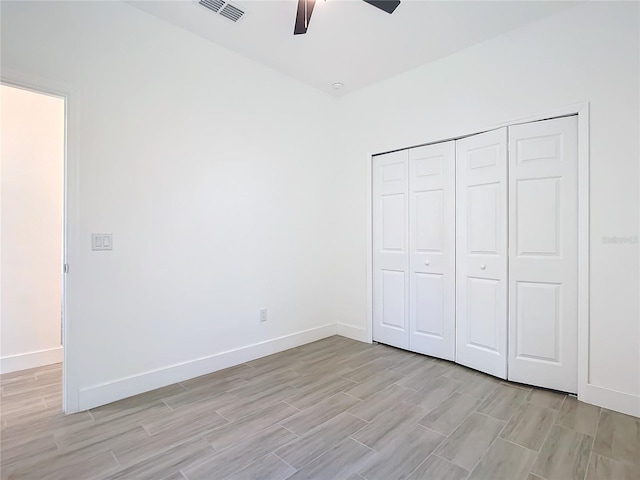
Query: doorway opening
[{"x": 32, "y": 248}]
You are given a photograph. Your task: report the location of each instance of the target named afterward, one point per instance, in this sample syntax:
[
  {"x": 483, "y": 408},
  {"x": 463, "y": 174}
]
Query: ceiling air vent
[
  {"x": 231, "y": 12},
  {"x": 214, "y": 5},
  {"x": 227, "y": 10}
]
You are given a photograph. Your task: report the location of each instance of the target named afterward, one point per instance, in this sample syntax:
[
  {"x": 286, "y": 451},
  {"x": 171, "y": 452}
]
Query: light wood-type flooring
[{"x": 333, "y": 409}]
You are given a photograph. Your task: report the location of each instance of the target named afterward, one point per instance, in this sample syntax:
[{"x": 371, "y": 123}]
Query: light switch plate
[{"x": 101, "y": 241}]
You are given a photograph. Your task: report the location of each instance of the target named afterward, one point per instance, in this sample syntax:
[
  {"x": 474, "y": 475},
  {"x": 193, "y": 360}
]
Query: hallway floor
[{"x": 333, "y": 409}]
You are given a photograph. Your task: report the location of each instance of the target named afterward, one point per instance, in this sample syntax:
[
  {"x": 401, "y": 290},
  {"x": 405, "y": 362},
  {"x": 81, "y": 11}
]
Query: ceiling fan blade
[
  {"x": 388, "y": 6},
  {"x": 303, "y": 17}
]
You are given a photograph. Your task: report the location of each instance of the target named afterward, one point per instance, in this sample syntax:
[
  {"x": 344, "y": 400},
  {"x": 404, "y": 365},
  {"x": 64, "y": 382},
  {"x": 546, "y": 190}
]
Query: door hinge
[{"x": 66, "y": 268}]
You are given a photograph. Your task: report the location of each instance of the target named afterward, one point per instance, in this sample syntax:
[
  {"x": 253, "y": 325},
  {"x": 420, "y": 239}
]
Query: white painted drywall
[
  {"x": 31, "y": 171},
  {"x": 586, "y": 53},
  {"x": 211, "y": 171}
]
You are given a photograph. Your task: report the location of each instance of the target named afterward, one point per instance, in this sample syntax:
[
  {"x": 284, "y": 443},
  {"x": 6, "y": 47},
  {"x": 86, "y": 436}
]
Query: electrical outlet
[{"x": 263, "y": 314}]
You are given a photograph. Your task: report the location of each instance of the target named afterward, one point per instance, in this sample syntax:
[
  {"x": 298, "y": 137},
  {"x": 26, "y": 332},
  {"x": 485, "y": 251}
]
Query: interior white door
[
  {"x": 543, "y": 248},
  {"x": 390, "y": 211},
  {"x": 481, "y": 252},
  {"x": 432, "y": 280}
]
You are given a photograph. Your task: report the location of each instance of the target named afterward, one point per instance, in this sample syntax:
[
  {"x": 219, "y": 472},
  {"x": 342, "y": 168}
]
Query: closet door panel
[
  {"x": 432, "y": 250},
  {"x": 543, "y": 269},
  {"x": 390, "y": 210},
  {"x": 428, "y": 303},
  {"x": 481, "y": 252},
  {"x": 483, "y": 305}
]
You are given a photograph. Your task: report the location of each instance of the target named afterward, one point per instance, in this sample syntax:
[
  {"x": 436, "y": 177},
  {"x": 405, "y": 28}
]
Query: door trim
[
  {"x": 70, "y": 208},
  {"x": 586, "y": 391}
]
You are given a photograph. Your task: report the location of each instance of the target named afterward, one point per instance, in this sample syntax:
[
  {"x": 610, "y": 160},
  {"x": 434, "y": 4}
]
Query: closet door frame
[{"x": 586, "y": 392}]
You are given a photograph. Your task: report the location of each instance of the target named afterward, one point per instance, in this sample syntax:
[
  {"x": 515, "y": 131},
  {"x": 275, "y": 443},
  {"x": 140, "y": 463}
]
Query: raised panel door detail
[
  {"x": 539, "y": 148},
  {"x": 538, "y": 216},
  {"x": 543, "y": 253},
  {"x": 482, "y": 313},
  {"x": 481, "y": 252},
  {"x": 390, "y": 248},
  {"x": 429, "y": 292},
  {"x": 482, "y": 205},
  {"x": 393, "y": 294},
  {"x": 538, "y": 321},
  {"x": 429, "y": 221},
  {"x": 432, "y": 249},
  {"x": 393, "y": 222},
  {"x": 482, "y": 157},
  {"x": 393, "y": 172},
  {"x": 425, "y": 167}
]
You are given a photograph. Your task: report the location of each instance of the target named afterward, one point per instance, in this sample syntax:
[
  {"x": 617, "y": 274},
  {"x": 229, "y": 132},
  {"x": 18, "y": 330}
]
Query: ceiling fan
[{"x": 305, "y": 8}]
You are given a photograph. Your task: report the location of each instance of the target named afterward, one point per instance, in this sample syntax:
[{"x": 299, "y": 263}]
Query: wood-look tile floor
[{"x": 333, "y": 409}]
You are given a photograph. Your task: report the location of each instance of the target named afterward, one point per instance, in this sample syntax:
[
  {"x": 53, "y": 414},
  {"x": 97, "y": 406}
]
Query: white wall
[
  {"x": 209, "y": 170},
  {"x": 31, "y": 172},
  {"x": 587, "y": 53}
]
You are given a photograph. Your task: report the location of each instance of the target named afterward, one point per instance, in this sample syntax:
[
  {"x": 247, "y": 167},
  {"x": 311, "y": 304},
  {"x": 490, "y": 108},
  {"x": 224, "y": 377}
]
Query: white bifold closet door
[
  {"x": 414, "y": 249},
  {"x": 390, "y": 211},
  {"x": 543, "y": 245},
  {"x": 475, "y": 251},
  {"x": 481, "y": 253},
  {"x": 432, "y": 250}
]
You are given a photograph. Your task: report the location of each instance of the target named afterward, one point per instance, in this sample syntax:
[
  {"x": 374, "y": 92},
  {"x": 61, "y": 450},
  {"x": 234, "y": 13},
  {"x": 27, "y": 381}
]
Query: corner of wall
[{"x": 351, "y": 331}]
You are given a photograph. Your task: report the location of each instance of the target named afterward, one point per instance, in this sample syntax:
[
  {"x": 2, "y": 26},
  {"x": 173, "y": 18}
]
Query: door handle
[
  {"x": 482, "y": 267},
  {"x": 427, "y": 263}
]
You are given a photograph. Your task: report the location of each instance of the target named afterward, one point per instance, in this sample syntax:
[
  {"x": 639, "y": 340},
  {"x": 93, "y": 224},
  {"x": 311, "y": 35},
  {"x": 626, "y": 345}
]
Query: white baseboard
[
  {"x": 24, "y": 361},
  {"x": 349, "y": 331},
  {"x": 612, "y": 399},
  {"x": 94, "y": 396}
]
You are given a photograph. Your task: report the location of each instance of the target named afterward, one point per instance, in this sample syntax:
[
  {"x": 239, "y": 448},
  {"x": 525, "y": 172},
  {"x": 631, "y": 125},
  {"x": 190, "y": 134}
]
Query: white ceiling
[{"x": 350, "y": 41}]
